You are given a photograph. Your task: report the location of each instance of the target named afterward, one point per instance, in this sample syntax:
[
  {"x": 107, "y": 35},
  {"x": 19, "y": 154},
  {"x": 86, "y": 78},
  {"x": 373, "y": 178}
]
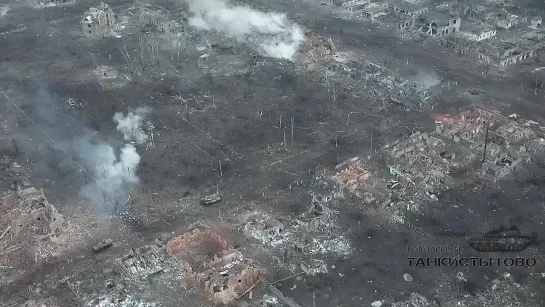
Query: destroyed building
[
  {"x": 159, "y": 21},
  {"x": 469, "y": 126},
  {"x": 511, "y": 48},
  {"x": 401, "y": 21},
  {"x": 476, "y": 32},
  {"x": 98, "y": 20},
  {"x": 437, "y": 24},
  {"x": 505, "y": 149},
  {"x": 31, "y": 228},
  {"x": 374, "y": 10},
  {"x": 353, "y": 4},
  {"x": 407, "y": 8},
  {"x": 502, "y": 166},
  {"x": 221, "y": 274},
  {"x": 459, "y": 44},
  {"x": 316, "y": 46},
  {"x": 506, "y": 21}
]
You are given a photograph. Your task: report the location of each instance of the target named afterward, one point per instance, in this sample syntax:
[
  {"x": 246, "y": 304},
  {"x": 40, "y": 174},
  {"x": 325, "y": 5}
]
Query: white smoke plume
[
  {"x": 272, "y": 34},
  {"x": 112, "y": 175},
  {"x": 131, "y": 125}
]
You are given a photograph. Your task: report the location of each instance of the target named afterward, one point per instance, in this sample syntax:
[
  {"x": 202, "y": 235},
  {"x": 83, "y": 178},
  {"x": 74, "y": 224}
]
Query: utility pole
[{"x": 485, "y": 142}]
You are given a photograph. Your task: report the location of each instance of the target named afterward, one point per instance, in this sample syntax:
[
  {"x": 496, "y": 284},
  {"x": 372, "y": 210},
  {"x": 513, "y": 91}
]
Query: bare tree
[{"x": 132, "y": 67}]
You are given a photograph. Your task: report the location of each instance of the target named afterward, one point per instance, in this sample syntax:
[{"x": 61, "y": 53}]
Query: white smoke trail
[
  {"x": 272, "y": 34},
  {"x": 131, "y": 125}
]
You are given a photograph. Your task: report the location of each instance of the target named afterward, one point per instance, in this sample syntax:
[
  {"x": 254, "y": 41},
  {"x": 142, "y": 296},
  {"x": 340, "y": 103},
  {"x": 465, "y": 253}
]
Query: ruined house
[
  {"x": 459, "y": 44},
  {"x": 31, "y": 230},
  {"x": 374, "y": 10},
  {"x": 502, "y": 19},
  {"x": 353, "y": 4},
  {"x": 476, "y": 32},
  {"x": 511, "y": 48},
  {"x": 221, "y": 274},
  {"x": 98, "y": 20},
  {"x": 407, "y": 8},
  {"x": 503, "y": 165},
  {"x": 159, "y": 21},
  {"x": 437, "y": 24},
  {"x": 511, "y": 133},
  {"x": 470, "y": 126},
  {"x": 400, "y": 21}
]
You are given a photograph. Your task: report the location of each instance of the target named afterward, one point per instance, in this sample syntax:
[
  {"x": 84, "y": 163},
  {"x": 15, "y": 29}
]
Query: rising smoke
[
  {"x": 131, "y": 125},
  {"x": 62, "y": 149},
  {"x": 272, "y": 34},
  {"x": 113, "y": 175}
]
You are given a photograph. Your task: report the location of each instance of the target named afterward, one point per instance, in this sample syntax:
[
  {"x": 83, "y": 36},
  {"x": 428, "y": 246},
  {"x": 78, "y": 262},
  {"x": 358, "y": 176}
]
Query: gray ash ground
[{"x": 243, "y": 123}]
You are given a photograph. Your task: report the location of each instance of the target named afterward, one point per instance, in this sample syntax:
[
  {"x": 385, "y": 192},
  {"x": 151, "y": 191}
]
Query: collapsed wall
[
  {"x": 220, "y": 274},
  {"x": 29, "y": 228}
]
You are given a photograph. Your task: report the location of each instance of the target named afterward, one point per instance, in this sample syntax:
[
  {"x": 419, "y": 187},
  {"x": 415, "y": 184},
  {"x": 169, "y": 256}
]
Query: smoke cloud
[
  {"x": 68, "y": 153},
  {"x": 113, "y": 175},
  {"x": 272, "y": 34},
  {"x": 131, "y": 125}
]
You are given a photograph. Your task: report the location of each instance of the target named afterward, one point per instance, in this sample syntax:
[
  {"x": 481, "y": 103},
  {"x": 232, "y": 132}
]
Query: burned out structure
[
  {"x": 511, "y": 48},
  {"x": 221, "y": 274},
  {"x": 500, "y": 141},
  {"x": 158, "y": 20},
  {"x": 495, "y": 37},
  {"x": 476, "y": 32},
  {"x": 354, "y": 5},
  {"x": 374, "y": 10},
  {"x": 406, "y": 8},
  {"x": 98, "y": 20},
  {"x": 437, "y": 23},
  {"x": 423, "y": 161}
]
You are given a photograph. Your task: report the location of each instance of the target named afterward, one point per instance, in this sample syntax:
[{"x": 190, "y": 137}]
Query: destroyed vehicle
[
  {"x": 210, "y": 199},
  {"x": 502, "y": 240},
  {"x": 107, "y": 243}
]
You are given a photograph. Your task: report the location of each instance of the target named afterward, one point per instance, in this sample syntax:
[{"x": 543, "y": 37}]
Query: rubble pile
[
  {"x": 352, "y": 177},
  {"x": 470, "y": 126},
  {"x": 268, "y": 231},
  {"x": 375, "y": 80},
  {"x": 315, "y": 47},
  {"x": 30, "y": 228},
  {"x": 426, "y": 160},
  {"x": 142, "y": 263},
  {"x": 221, "y": 274},
  {"x": 315, "y": 231},
  {"x": 120, "y": 300},
  {"x": 510, "y": 144}
]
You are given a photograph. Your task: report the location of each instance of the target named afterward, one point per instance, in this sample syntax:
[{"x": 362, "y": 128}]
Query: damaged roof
[
  {"x": 405, "y": 6},
  {"x": 474, "y": 28},
  {"x": 94, "y": 13},
  {"x": 434, "y": 16}
]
